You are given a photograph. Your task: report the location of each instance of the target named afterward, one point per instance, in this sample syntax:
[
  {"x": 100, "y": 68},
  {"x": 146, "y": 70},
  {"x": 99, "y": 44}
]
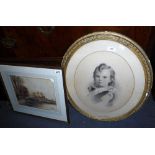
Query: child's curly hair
[{"x": 102, "y": 67}]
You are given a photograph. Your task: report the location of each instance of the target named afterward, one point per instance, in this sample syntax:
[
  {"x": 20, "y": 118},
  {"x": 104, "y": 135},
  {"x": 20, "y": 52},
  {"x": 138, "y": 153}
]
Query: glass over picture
[{"x": 34, "y": 92}]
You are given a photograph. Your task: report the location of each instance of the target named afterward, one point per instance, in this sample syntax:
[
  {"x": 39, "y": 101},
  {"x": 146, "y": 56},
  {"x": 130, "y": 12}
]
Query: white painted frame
[{"x": 51, "y": 74}]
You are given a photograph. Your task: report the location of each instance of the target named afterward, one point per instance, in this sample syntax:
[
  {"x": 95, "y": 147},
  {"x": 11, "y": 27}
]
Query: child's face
[{"x": 102, "y": 79}]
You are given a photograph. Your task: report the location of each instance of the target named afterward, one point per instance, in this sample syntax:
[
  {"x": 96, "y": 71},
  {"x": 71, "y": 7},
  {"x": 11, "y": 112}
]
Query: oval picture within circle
[{"x": 102, "y": 84}]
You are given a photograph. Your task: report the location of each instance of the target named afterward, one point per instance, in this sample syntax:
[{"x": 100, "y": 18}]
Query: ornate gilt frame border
[{"x": 129, "y": 43}]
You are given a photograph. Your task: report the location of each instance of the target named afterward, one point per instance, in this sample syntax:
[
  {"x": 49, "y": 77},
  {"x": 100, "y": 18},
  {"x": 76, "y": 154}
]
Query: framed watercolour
[
  {"x": 36, "y": 91},
  {"x": 107, "y": 75}
]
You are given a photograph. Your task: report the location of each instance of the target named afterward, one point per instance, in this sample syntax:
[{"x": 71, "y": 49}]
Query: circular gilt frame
[{"x": 129, "y": 43}]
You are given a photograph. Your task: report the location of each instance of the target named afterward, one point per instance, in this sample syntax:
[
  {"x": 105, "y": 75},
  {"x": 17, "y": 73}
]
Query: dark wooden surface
[
  {"x": 30, "y": 42},
  {"x": 45, "y": 47}
]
